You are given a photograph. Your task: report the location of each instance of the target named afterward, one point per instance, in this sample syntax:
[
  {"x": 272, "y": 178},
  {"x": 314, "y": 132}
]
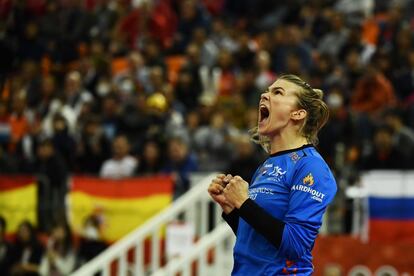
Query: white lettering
[{"x": 316, "y": 195}]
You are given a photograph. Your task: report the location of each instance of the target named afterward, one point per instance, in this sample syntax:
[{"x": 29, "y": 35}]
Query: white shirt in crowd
[{"x": 117, "y": 169}]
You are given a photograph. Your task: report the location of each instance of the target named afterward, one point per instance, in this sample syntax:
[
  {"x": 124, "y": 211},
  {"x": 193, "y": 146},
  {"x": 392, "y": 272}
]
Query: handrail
[
  {"x": 189, "y": 204},
  {"x": 199, "y": 252}
]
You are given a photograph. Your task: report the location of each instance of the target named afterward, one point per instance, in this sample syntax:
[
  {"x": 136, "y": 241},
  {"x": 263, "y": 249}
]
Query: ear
[{"x": 298, "y": 115}]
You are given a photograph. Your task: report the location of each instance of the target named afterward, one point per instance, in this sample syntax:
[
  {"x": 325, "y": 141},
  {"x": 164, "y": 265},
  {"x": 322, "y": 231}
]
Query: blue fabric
[
  {"x": 295, "y": 187},
  {"x": 391, "y": 208}
]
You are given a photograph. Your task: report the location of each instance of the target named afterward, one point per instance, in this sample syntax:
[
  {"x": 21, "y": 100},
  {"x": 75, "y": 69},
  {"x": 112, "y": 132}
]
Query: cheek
[{"x": 281, "y": 113}]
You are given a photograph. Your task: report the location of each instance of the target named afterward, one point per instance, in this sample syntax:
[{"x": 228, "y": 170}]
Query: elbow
[
  {"x": 294, "y": 244},
  {"x": 295, "y": 253}
]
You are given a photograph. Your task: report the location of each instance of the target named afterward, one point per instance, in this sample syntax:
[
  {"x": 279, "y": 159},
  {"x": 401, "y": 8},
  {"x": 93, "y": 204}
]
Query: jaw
[{"x": 264, "y": 127}]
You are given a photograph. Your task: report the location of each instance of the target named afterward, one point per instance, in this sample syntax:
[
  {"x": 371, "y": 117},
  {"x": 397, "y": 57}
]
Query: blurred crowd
[
  {"x": 119, "y": 88},
  {"x": 58, "y": 254}
]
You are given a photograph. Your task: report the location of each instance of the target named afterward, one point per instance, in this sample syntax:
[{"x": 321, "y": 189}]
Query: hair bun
[{"x": 319, "y": 93}]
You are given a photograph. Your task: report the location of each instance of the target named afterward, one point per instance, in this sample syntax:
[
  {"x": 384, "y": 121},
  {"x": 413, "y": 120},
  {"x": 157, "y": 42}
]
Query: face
[
  {"x": 59, "y": 233},
  {"x": 177, "y": 151},
  {"x": 24, "y": 233},
  {"x": 120, "y": 147},
  {"x": 151, "y": 151},
  {"x": 277, "y": 107}
]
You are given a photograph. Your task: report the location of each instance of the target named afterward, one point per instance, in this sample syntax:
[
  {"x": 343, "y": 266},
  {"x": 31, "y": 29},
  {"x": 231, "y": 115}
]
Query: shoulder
[
  {"x": 313, "y": 162},
  {"x": 130, "y": 160},
  {"x": 313, "y": 169}
]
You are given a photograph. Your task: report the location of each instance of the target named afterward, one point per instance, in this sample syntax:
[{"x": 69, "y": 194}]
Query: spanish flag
[
  {"x": 122, "y": 204},
  {"x": 18, "y": 200}
]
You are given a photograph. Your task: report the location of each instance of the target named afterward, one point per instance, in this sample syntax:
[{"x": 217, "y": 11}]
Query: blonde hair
[{"x": 309, "y": 99}]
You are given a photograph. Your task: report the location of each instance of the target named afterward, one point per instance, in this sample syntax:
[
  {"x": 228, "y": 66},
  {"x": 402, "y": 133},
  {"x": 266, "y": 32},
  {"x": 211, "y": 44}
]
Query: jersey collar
[{"x": 278, "y": 153}]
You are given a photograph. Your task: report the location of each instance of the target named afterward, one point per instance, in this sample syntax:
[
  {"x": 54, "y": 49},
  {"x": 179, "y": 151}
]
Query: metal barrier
[
  {"x": 192, "y": 207},
  {"x": 220, "y": 241}
]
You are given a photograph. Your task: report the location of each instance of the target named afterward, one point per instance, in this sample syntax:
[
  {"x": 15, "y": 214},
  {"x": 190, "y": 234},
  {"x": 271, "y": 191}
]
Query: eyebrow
[{"x": 275, "y": 88}]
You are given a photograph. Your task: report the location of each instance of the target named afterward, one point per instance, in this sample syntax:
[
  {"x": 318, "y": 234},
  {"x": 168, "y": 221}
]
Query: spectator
[
  {"x": 19, "y": 120},
  {"x": 122, "y": 164},
  {"x": 135, "y": 120},
  {"x": 332, "y": 42},
  {"x": 26, "y": 148},
  {"x": 212, "y": 143},
  {"x": 265, "y": 76},
  {"x": 91, "y": 243},
  {"x": 75, "y": 94},
  {"x": 5, "y": 249},
  {"x": 27, "y": 251},
  {"x": 404, "y": 81},
  {"x": 63, "y": 141},
  {"x": 403, "y": 136},
  {"x": 151, "y": 160},
  {"x": 5, "y": 128},
  {"x": 373, "y": 93},
  {"x": 110, "y": 115},
  {"x": 191, "y": 16},
  {"x": 60, "y": 258},
  {"x": 48, "y": 91},
  {"x": 224, "y": 74},
  {"x": 384, "y": 154},
  {"x": 245, "y": 55},
  {"x": 180, "y": 163},
  {"x": 70, "y": 106},
  {"x": 93, "y": 147},
  {"x": 246, "y": 161},
  {"x": 188, "y": 90},
  {"x": 52, "y": 184}
]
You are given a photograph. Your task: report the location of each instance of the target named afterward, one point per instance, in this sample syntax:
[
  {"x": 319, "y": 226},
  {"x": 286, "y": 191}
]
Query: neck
[{"x": 286, "y": 141}]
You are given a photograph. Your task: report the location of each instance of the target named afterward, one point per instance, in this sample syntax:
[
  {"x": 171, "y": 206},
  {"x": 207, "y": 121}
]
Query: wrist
[
  {"x": 240, "y": 203},
  {"x": 226, "y": 208}
]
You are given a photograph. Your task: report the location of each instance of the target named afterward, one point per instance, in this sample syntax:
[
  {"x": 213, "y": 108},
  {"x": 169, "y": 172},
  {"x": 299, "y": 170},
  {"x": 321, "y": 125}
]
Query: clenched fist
[
  {"x": 216, "y": 188},
  {"x": 236, "y": 191}
]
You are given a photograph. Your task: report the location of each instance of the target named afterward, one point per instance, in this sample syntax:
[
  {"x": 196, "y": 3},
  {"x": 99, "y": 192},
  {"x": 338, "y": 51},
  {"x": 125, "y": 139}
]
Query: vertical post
[
  {"x": 155, "y": 251},
  {"x": 202, "y": 263},
  {"x": 122, "y": 264},
  {"x": 204, "y": 217},
  {"x": 217, "y": 215},
  {"x": 139, "y": 258},
  {"x": 106, "y": 270},
  {"x": 186, "y": 269}
]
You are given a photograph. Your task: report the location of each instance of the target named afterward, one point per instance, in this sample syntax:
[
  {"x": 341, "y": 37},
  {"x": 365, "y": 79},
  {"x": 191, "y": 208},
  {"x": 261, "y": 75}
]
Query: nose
[{"x": 264, "y": 96}]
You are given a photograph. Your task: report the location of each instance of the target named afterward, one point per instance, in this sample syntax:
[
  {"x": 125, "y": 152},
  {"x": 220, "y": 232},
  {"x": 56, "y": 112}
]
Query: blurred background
[{"x": 121, "y": 99}]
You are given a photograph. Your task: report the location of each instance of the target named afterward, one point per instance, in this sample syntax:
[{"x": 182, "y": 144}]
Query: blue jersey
[{"x": 295, "y": 187}]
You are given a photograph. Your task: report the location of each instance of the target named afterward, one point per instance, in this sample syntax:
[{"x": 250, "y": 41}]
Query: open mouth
[{"x": 263, "y": 113}]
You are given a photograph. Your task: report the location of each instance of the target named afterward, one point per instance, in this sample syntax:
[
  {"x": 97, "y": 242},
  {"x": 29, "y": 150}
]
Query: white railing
[
  {"x": 220, "y": 241},
  {"x": 192, "y": 207}
]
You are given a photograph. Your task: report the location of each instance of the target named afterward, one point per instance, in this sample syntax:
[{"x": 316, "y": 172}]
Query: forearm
[
  {"x": 232, "y": 219},
  {"x": 265, "y": 224}
]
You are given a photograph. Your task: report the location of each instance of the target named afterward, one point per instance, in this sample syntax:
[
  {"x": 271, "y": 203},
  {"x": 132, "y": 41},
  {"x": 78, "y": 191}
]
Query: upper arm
[{"x": 312, "y": 189}]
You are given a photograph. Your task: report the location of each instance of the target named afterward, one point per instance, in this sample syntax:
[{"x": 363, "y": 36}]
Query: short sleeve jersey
[{"x": 295, "y": 187}]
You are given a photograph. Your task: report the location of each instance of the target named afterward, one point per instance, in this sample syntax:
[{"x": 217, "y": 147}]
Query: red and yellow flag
[
  {"x": 123, "y": 204},
  {"x": 18, "y": 200}
]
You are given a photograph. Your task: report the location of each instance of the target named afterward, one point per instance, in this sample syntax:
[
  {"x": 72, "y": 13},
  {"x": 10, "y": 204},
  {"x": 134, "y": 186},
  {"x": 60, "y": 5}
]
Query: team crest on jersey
[
  {"x": 294, "y": 156},
  {"x": 308, "y": 180}
]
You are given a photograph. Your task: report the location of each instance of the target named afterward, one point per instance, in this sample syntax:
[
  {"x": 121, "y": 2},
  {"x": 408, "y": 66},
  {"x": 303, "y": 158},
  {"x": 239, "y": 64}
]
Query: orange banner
[{"x": 347, "y": 252}]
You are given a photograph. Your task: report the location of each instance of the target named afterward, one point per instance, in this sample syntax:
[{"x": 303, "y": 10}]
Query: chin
[{"x": 262, "y": 131}]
